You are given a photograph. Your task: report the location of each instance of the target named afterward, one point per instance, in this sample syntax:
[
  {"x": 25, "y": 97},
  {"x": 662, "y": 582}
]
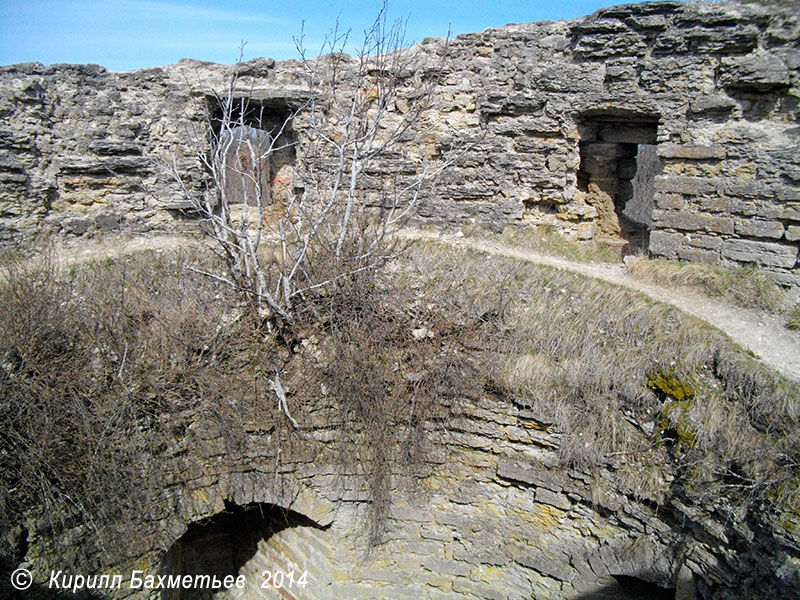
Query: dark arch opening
[
  {"x": 626, "y": 587},
  {"x": 235, "y": 542}
]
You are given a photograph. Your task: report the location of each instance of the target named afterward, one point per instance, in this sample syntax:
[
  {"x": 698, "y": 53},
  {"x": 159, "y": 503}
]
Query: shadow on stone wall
[
  {"x": 241, "y": 540},
  {"x": 622, "y": 587}
]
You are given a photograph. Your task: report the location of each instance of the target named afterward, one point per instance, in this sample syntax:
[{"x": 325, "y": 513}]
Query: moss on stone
[
  {"x": 667, "y": 383},
  {"x": 675, "y": 419}
]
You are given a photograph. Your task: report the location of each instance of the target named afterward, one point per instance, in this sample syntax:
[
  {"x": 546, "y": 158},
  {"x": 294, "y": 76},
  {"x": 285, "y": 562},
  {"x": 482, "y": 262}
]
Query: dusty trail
[{"x": 762, "y": 334}]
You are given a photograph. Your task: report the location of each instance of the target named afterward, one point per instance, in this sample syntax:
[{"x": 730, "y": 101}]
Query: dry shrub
[
  {"x": 110, "y": 369},
  {"x": 395, "y": 369},
  {"x": 90, "y": 361},
  {"x": 103, "y": 367}
]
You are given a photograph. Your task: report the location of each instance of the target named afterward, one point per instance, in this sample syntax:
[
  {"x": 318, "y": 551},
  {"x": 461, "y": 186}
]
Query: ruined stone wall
[
  {"x": 717, "y": 82},
  {"x": 557, "y": 110},
  {"x": 492, "y": 514}
]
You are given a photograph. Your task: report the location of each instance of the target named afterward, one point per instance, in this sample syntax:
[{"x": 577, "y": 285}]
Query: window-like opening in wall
[
  {"x": 258, "y": 142},
  {"x": 618, "y": 167}
]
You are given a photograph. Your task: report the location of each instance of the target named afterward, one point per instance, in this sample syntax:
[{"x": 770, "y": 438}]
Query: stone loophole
[{"x": 619, "y": 163}]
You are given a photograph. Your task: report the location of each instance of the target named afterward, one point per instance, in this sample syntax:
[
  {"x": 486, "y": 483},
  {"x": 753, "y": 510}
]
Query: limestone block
[
  {"x": 714, "y": 204},
  {"x": 585, "y": 231},
  {"x": 545, "y": 496},
  {"x": 763, "y": 253},
  {"x": 721, "y": 40},
  {"x": 604, "y": 45},
  {"x": 110, "y": 146},
  {"x": 698, "y": 255},
  {"x": 546, "y": 564},
  {"x": 695, "y": 222},
  {"x": 757, "y": 71},
  {"x": 664, "y": 243},
  {"x": 691, "y": 151},
  {"x": 107, "y": 222},
  {"x": 691, "y": 186},
  {"x": 589, "y": 26},
  {"x": 648, "y": 22},
  {"x": 784, "y": 279},
  {"x": 669, "y": 201},
  {"x": 762, "y": 229},
  {"x": 13, "y": 178},
  {"x": 711, "y": 104},
  {"x": 793, "y": 233},
  {"x": 76, "y": 226},
  {"x": 87, "y": 164},
  {"x": 709, "y": 242}
]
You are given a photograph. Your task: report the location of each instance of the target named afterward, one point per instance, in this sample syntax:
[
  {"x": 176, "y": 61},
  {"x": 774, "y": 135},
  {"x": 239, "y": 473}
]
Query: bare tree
[{"x": 357, "y": 114}]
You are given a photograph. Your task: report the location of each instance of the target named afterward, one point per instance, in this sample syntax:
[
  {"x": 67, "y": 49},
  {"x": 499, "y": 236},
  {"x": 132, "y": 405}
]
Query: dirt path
[
  {"x": 76, "y": 251},
  {"x": 762, "y": 334}
]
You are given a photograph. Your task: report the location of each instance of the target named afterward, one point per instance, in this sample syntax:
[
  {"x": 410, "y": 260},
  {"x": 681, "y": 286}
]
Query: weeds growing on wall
[
  {"x": 109, "y": 372},
  {"x": 113, "y": 371},
  {"x": 91, "y": 359},
  {"x": 663, "y": 398},
  {"x": 395, "y": 367}
]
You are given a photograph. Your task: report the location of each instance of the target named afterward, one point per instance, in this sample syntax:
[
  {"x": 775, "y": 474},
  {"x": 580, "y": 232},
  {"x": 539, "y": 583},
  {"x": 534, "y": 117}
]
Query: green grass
[{"x": 793, "y": 320}]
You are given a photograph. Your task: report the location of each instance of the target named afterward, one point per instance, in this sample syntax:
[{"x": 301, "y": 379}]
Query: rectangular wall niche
[
  {"x": 618, "y": 167},
  {"x": 244, "y": 130}
]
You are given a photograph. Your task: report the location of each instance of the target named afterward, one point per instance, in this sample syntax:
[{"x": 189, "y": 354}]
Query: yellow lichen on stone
[
  {"x": 669, "y": 384},
  {"x": 544, "y": 517},
  {"x": 675, "y": 417}
]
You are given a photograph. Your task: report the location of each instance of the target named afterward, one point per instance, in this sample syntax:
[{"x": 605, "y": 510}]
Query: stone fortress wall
[
  {"x": 491, "y": 515},
  {"x": 564, "y": 115},
  {"x": 567, "y": 116}
]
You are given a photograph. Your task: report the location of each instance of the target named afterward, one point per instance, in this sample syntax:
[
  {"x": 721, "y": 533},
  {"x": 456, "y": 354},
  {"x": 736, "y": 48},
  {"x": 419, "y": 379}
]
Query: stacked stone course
[{"x": 718, "y": 81}]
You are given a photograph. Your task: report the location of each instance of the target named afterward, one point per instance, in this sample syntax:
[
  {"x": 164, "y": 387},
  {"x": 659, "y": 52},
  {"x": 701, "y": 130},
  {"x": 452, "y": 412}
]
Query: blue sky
[{"x": 131, "y": 34}]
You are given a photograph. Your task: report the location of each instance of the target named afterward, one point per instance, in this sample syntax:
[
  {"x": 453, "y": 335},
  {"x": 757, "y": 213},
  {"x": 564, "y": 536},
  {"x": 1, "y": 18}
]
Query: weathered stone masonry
[
  {"x": 491, "y": 515},
  {"x": 561, "y": 113},
  {"x": 558, "y": 108}
]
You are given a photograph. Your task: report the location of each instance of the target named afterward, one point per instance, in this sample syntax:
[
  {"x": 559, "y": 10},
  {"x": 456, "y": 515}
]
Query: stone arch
[
  {"x": 636, "y": 568},
  {"x": 277, "y": 553}
]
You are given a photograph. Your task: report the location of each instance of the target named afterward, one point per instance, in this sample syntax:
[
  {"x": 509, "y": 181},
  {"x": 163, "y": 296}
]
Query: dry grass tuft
[
  {"x": 746, "y": 287},
  {"x": 108, "y": 369},
  {"x": 546, "y": 240},
  {"x": 621, "y": 376},
  {"x": 97, "y": 364},
  {"x": 104, "y": 366}
]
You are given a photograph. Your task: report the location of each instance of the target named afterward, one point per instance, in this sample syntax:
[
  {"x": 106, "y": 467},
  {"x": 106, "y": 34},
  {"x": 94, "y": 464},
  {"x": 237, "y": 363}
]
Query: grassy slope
[
  {"x": 91, "y": 357},
  {"x": 623, "y": 376}
]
